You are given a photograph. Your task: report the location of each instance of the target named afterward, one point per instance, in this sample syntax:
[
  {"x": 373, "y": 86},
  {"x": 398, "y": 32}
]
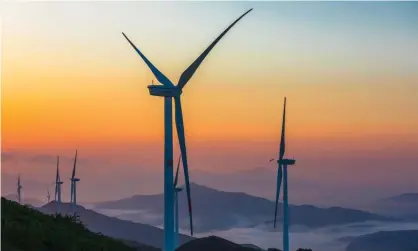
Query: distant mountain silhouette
[
  {"x": 405, "y": 198},
  {"x": 27, "y": 201},
  {"x": 113, "y": 227},
  {"x": 403, "y": 240},
  {"x": 213, "y": 243},
  {"x": 218, "y": 210},
  {"x": 404, "y": 206}
]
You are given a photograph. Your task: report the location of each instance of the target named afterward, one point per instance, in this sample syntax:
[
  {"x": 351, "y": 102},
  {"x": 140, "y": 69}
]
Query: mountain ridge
[
  {"x": 238, "y": 210},
  {"x": 114, "y": 227}
]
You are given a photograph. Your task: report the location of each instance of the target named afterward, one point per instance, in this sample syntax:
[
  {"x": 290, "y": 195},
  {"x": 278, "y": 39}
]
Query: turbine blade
[
  {"x": 182, "y": 142},
  {"x": 75, "y": 163},
  {"x": 58, "y": 171},
  {"x": 282, "y": 139},
  {"x": 279, "y": 183},
  {"x": 188, "y": 73},
  {"x": 177, "y": 172},
  {"x": 159, "y": 75}
]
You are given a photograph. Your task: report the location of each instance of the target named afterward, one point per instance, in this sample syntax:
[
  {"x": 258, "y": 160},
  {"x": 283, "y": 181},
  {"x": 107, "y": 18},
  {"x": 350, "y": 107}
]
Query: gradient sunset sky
[{"x": 348, "y": 69}]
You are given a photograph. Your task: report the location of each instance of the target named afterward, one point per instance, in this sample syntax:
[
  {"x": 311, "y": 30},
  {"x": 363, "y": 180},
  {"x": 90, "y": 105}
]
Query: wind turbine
[
  {"x": 176, "y": 209},
  {"x": 58, "y": 184},
  {"x": 282, "y": 162},
  {"x": 169, "y": 91},
  {"x": 19, "y": 189},
  {"x": 74, "y": 181}
]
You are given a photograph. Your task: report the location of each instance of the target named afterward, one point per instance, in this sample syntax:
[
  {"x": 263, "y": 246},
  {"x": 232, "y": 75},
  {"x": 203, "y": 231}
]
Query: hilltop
[
  {"x": 212, "y": 243},
  {"x": 114, "y": 227},
  {"x": 29, "y": 201},
  {"x": 26, "y": 229}
]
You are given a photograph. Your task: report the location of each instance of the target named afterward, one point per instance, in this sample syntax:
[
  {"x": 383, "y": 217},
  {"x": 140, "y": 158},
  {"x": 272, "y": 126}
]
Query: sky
[{"x": 349, "y": 71}]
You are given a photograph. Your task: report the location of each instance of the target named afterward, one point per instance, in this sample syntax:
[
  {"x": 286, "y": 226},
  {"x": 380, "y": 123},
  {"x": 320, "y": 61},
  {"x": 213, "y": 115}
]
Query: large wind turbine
[
  {"x": 58, "y": 184},
  {"x": 282, "y": 162},
  {"x": 169, "y": 91},
  {"x": 19, "y": 189},
  {"x": 176, "y": 209},
  {"x": 74, "y": 181}
]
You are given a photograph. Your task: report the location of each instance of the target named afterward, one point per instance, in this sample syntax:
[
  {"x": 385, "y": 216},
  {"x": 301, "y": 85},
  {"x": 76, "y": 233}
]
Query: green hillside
[{"x": 25, "y": 229}]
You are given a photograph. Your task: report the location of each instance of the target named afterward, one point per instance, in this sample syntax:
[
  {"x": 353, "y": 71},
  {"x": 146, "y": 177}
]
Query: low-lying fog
[{"x": 321, "y": 239}]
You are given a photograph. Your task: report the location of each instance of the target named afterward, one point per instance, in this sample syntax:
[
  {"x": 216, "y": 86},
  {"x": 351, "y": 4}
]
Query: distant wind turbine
[
  {"x": 176, "y": 209},
  {"x": 169, "y": 91},
  {"x": 283, "y": 163},
  {"x": 74, "y": 180},
  {"x": 58, "y": 184},
  {"x": 19, "y": 189}
]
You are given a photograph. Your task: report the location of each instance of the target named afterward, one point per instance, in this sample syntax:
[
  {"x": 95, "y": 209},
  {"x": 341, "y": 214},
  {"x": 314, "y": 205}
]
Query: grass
[{"x": 26, "y": 229}]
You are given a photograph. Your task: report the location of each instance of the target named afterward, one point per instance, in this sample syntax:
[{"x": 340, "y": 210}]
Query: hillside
[
  {"x": 237, "y": 210},
  {"x": 30, "y": 201},
  {"x": 26, "y": 229},
  {"x": 116, "y": 228},
  {"x": 212, "y": 243},
  {"x": 404, "y": 240}
]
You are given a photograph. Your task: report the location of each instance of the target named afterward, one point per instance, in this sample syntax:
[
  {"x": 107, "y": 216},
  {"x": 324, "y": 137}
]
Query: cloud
[
  {"x": 323, "y": 239},
  {"x": 333, "y": 238}
]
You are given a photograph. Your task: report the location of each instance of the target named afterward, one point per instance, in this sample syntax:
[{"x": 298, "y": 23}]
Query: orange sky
[{"x": 64, "y": 86}]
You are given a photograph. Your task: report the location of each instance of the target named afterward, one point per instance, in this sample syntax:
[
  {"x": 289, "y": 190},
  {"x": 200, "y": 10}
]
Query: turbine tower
[
  {"x": 176, "y": 209},
  {"x": 58, "y": 184},
  {"x": 282, "y": 167},
  {"x": 74, "y": 180},
  {"x": 169, "y": 91},
  {"x": 19, "y": 189},
  {"x": 48, "y": 196}
]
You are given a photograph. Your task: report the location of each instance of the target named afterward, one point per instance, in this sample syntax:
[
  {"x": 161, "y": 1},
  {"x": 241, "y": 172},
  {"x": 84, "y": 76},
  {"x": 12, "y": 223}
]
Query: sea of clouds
[{"x": 331, "y": 238}]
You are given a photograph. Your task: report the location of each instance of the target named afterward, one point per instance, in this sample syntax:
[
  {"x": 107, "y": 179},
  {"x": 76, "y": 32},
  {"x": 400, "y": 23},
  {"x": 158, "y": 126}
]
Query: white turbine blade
[
  {"x": 159, "y": 75},
  {"x": 188, "y": 73}
]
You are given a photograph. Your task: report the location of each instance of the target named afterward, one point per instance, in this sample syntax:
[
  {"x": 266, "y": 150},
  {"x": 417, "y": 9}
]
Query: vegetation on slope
[{"x": 26, "y": 229}]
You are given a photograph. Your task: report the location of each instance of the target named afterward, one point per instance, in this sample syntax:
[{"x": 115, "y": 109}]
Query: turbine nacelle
[
  {"x": 74, "y": 179},
  {"x": 287, "y": 162},
  {"x": 178, "y": 189},
  {"x": 164, "y": 91}
]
